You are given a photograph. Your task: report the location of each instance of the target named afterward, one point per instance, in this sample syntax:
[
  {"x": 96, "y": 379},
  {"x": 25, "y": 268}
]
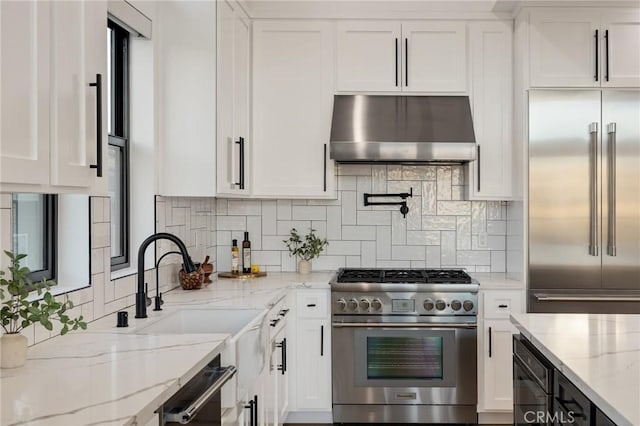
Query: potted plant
[
  {"x": 18, "y": 312},
  {"x": 305, "y": 249}
]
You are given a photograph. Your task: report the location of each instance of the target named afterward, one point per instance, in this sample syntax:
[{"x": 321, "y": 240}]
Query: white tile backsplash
[{"x": 441, "y": 229}]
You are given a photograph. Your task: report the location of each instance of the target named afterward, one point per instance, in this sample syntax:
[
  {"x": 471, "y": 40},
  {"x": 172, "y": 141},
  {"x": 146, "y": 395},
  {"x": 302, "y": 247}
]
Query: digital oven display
[{"x": 403, "y": 305}]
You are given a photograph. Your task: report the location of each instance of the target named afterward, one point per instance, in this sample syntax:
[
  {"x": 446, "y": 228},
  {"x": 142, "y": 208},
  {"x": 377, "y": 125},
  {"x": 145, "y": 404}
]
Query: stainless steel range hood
[{"x": 404, "y": 129}]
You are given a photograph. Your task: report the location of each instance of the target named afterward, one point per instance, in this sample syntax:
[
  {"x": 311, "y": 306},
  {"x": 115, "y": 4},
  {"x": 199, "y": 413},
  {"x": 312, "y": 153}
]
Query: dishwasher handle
[{"x": 185, "y": 416}]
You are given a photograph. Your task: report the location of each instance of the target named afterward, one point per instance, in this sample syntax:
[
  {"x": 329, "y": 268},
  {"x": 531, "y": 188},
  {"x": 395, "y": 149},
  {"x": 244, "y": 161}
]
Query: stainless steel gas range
[{"x": 404, "y": 346}]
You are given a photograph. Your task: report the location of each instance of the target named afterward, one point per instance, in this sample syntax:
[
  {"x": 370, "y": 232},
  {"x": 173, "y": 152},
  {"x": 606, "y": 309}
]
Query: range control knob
[
  {"x": 467, "y": 305},
  {"x": 456, "y": 305},
  {"x": 428, "y": 305},
  {"x": 352, "y": 305},
  {"x": 365, "y": 304},
  {"x": 376, "y": 304},
  {"x": 341, "y": 304},
  {"x": 441, "y": 304}
]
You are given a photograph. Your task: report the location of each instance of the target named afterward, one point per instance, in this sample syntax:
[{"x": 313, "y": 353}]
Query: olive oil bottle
[{"x": 246, "y": 254}]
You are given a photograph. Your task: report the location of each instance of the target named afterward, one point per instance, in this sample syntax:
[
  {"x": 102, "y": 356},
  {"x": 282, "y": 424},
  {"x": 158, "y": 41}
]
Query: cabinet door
[
  {"x": 232, "y": 100},
  {"x": 79, "y": 52},
  {"x": 313, "y": 366},
  {"x": 281, "y": 378},
  {"x": 368, "y": 56},
  {"x": 24, "y": 92},
  {"x": 497, "y": 381},
  {"x": 490, "y": 176},
  {"x": 435, "y": 57},
  {"x": 621, "y": 48},
  {"x": 563, "y": 48},
  {"x": 292, "y": 103},
  {"x": 186, "y": 67}
]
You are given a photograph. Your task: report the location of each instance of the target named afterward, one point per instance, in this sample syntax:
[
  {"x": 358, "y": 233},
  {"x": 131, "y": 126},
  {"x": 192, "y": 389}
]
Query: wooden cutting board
[{"x": 241, "y": 275}]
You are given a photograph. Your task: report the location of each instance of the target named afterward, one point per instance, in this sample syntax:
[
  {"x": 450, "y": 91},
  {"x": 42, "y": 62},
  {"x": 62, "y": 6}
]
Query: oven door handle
[
  {"x": 188, "y": 414},
  {"x": 401, "y": 325}
]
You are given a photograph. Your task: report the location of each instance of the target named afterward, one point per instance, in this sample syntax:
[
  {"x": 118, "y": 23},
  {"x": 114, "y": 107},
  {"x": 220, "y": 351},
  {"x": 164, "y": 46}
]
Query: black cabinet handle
[
  {"x": 98, "y": 86},
  {"x": 255, "y": 411},
  {"x": 503, "y": 306},
  {"x": 283, "y": 312},
  {"x": 478, "y": 163},
  {"x": 406, "y": 62},
  {"x": 274, "y": 322},
  {"x": 606, "y": 55},
  {"x": 490, "y": 333},
  {"x": 283, "y": 345},
  {"x": 597, "y": 65},
  {"x": 324, "y": 168},
  {"x": 240, "y": 142},
  {"x": 396, "y": 62},
  {"x": 311, "y": 305},
  {"x": 322, "y": 340}
]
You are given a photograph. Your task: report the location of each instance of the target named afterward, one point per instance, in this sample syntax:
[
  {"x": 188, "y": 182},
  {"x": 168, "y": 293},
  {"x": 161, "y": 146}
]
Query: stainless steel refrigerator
[{"x": 584, "y": 201}]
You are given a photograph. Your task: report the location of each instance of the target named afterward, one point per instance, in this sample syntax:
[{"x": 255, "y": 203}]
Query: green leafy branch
[
  {"x": 308, "y": 248},
  {"x": 18, "y": 313}
]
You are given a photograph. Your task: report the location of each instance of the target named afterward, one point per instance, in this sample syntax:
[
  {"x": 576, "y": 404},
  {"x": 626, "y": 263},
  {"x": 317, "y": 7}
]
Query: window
[
  {"x": 118, "y": 128},
  {"x": 34, "y": 233}
]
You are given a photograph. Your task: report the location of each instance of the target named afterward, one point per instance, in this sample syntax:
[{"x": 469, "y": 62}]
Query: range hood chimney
[{"x": 402, "y": 129}]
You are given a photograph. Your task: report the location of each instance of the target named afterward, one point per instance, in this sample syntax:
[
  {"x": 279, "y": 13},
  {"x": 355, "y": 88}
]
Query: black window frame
[
  {"x": 50, "y": 246},
  {"x": 119, "y": 135}
]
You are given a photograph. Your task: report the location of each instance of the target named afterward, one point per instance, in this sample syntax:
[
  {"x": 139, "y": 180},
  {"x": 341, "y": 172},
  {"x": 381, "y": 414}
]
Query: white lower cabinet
[
  {"x": 495, "y": 331},
  {"x": 310, "y": 380},
  {"x": 497, "y": 390}
]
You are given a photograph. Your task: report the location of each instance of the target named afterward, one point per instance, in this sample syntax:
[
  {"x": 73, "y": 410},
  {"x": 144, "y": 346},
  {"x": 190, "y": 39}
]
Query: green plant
[
  {"x": 308, "y": 248},
  {"x": 17, "y": 312}
]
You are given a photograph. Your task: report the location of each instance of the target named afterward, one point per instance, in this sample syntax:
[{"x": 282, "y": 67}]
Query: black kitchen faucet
[{"x": 141, "y": 294}]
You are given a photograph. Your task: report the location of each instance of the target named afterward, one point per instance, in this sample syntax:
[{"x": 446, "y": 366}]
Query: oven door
[{"x": 379, "y": 363}]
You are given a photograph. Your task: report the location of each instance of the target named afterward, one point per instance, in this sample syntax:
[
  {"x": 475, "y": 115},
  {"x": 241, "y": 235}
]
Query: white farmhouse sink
[{"x": 197, "y": 321}]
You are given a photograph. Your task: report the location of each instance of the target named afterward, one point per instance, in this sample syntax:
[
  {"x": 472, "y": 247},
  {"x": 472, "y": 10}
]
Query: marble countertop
[
  {"x": 497, "y": 281},
  {"x": 600, "y": 354},
  {"x": 114, "y": 376}
]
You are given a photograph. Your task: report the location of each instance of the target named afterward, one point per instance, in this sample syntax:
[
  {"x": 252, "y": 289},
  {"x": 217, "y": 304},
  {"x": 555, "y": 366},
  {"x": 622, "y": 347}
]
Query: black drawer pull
[
  {"x": 284, "y": 312},
  {"x": 274, "y": 322},
  {"x": 503, "y": 306},
  {"x": 311, "y": 305}
]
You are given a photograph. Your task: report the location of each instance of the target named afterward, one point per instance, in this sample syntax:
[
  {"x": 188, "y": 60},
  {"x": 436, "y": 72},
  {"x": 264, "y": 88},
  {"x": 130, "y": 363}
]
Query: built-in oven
[
  {"x": 532, "y": 385},
  {"x": 404, "y": 370},
  {"x": 198, "y": 402}
]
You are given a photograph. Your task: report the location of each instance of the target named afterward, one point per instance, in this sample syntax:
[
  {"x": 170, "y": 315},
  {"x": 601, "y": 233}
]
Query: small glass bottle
[
  {"x": 235, "y": 258},
  {"x": 246, "y": 254}
]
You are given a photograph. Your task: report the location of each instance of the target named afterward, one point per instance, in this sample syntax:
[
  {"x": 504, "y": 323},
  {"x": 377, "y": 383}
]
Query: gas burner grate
[
  {"x": 409, "y": 276},
  {"x": 360, "y": 276},
  {"x": 447, "y": 276},
  {"x": 404, "y": 276}
]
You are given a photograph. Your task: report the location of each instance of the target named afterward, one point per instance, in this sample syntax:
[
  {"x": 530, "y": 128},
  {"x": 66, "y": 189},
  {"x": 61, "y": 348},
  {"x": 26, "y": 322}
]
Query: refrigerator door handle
[
  {"x": 544, "y": 297},
  {"x": 611, "y": 198},
  {"x": 593, "y": 190}
]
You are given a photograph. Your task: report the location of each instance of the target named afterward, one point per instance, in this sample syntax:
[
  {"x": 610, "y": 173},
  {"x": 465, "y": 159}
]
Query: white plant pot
[
  {"x": 304, "y": 267},
  {"x": 13, "y": 350}
]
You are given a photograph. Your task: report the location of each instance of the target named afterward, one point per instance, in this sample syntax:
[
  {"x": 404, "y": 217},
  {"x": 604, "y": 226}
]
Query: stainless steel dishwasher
[{"x": 198, "y": 402}]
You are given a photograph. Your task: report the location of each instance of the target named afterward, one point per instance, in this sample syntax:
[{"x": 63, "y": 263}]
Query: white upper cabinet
[
  {"x": 78, "y": 55},
  {"x": 368, "y": 57},
  {"x": 383, "y": 56},
  {"x": 621, "y": 48},
  {"x": 584, "y": 47},
  {"x": 185, "y": 60},
  {"x": 435, "y": 57},
  {"x": 490, "y": 176},
  {"x": 233, "y": 145},
  {"x": 53, "y": 118},
  {"x": 293, "y": 91},
  {"x": 24, "y": 92}
]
